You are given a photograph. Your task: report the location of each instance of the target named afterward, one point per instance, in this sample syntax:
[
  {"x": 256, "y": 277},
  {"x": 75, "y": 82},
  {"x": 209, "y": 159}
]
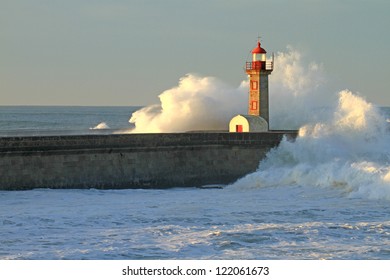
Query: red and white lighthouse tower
[{"x": 258, "y": 70}]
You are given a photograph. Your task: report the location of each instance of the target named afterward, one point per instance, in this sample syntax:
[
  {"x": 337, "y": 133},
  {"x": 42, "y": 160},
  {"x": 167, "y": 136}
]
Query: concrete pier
[{"x": 132, "y": 160}]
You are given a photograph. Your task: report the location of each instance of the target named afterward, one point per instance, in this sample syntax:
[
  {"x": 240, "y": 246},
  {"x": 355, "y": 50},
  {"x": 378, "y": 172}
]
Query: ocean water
[
  {"x": 324, "y": 196},
  {"x": 63, "y": 120}
]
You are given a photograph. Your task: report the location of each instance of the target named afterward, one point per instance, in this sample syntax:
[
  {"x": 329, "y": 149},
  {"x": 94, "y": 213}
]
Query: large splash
[
  {"x": 197, "y": 103},
  {"x": 207, "y": 103},
  {"x": 350, "y": 151}
]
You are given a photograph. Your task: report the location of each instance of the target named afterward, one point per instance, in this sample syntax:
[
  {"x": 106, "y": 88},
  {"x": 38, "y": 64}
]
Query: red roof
[{"x": 258, "y": 49}]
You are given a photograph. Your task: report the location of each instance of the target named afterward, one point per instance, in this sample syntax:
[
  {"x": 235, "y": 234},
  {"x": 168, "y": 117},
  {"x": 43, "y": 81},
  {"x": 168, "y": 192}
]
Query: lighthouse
[{"x": 258, "y": 70}]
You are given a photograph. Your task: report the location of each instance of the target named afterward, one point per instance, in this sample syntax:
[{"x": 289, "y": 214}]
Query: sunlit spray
[{"x": 196, "y": 103}]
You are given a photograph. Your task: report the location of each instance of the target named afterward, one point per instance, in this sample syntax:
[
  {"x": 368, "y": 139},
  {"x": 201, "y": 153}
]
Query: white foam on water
[{"x": 101, "y": 125}]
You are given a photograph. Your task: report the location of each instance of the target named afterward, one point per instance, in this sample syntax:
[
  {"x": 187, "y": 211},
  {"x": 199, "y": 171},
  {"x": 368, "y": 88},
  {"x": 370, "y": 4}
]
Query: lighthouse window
[
  {"x": 254, "y": 105},
  {"x": 254, "y": 85}
]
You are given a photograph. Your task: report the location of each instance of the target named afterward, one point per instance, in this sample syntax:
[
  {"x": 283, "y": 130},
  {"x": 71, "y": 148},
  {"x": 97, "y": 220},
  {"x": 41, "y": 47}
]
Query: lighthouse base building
[{"x": 248, "y": 123}]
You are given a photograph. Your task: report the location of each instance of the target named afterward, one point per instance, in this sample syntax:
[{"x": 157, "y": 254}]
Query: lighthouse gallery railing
[{"x": 260, "y": 65}]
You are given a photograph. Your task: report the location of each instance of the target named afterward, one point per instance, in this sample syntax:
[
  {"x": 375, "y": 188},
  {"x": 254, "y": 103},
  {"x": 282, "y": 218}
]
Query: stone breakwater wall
[{"x": 132, "y": 160}]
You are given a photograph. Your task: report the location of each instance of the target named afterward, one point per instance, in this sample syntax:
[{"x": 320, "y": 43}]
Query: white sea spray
[{"x": 350, "y": 150}]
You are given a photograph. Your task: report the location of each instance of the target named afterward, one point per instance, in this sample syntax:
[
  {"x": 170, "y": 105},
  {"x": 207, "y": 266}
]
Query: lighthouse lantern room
[{"x": 258, "y": 102}]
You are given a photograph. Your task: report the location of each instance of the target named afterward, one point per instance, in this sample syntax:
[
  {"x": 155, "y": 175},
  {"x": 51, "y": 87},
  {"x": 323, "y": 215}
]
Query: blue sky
[{"x": 126, "y": 52}]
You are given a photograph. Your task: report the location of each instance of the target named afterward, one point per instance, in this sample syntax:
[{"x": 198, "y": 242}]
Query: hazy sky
[{"x": 126, "y": 52}]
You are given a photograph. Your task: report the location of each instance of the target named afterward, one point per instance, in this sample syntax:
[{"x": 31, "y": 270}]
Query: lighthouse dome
[{"x": 258, "y": 49}]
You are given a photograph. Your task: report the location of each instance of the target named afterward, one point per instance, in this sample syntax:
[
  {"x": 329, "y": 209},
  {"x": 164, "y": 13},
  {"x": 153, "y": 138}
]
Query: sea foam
[{"x": 101, "y": 125}]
